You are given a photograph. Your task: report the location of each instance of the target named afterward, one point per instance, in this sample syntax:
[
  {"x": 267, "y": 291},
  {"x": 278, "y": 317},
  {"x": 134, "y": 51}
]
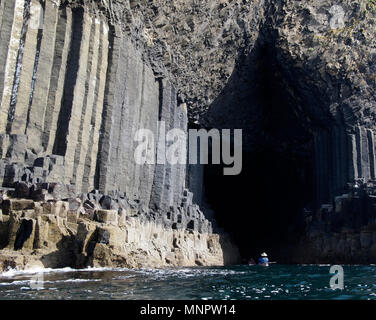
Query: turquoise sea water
[{"x": 237, "y": 282}]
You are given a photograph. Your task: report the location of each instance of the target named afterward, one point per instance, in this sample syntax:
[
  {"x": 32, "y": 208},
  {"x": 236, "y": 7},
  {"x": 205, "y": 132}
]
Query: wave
[
  {"x": 188, "y": 272},
  {"x": 27, "y": 282},
  {"x": 10, "y": 273}
]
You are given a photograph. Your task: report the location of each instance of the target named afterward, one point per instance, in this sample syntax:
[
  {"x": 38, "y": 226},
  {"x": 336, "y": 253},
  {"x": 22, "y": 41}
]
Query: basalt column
[
  {"x": 52, "y": 89},
  {"x": 131, "y": 103},
  {"x": 341, "y": 157},
  {"x": 168, "y": 180}
]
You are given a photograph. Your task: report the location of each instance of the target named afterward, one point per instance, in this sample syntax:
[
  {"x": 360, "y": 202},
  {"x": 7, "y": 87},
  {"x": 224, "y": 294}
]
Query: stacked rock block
[
  {"x": 99, "y": 207},
  {"x": 37, "y": 229}
]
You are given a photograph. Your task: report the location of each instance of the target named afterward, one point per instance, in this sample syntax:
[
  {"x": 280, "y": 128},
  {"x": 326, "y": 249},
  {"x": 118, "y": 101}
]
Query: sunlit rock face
[{"x": 54, "y": 235}]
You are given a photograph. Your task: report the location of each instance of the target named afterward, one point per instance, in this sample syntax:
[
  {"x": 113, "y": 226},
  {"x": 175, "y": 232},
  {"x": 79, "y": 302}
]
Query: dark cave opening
[{"x": 262, "y": 208}]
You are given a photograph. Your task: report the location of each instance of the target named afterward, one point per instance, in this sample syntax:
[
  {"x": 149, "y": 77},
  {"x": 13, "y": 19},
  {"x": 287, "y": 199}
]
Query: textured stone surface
[
  {"x": 344, "y": 232},
  {"x": 46, "y": 234}
]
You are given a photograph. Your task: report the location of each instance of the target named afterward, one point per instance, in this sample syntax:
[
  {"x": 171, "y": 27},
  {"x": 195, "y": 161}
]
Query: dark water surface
[{"x": 237, "y": 282}]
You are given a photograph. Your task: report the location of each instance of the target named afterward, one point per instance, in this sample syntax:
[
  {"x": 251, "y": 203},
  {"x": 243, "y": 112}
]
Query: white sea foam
[
  {"x": 15, "y": 272},
  {"x": 15, "y": 283},
  {"x": 186, "y": 272},
  {"x": 27, "y": 282},
  {"x": 75, "y": 280}
]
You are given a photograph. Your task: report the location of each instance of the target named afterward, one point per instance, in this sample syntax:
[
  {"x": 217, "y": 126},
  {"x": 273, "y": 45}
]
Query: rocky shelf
[{"x": 37, "y": 229}]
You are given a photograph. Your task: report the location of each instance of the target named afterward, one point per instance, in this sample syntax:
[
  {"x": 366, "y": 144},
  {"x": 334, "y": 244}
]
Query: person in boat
[
  {"x": 263, "y": 260},
  {"x": 251, "y": 262}
]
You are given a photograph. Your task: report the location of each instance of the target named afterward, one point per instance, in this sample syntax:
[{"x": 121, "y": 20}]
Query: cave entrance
[{"x": 263, "y": 207}]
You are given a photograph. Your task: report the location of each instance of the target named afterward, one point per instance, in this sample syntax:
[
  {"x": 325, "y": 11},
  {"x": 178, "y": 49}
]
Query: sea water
[{"x": 201, "y": 283}]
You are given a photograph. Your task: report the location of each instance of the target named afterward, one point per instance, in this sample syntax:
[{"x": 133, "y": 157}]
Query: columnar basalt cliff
[
  {"x": 74, "y": 91},
  {"x": 78, "y": 78}
]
